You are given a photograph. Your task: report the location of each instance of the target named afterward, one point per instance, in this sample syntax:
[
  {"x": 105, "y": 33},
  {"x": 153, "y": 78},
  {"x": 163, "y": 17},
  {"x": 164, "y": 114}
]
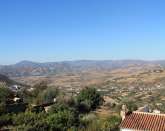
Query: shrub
[
  {"x": 58, "y": 107},
  {"x": 89, "y": 98},
  {"x": 85, "y": 120},
  {"x": 62, "y": 120},
  {"x": 30, "y": 121},
  {"x": 5, "y": 120},
  {"x": 131, "y": 106},
  {"x": 2, "y": 108},
  {"x": 5, "y": 94},
  {"x": 47, "y": 96},
  {"x": 111, "y": 123}
]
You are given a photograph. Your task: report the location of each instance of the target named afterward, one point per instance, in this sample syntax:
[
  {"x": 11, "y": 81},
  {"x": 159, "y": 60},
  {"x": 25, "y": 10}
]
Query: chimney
[{"x": 123, "y": 112}]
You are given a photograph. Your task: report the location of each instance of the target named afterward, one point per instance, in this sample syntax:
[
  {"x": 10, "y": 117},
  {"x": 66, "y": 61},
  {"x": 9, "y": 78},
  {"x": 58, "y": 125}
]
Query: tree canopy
[{"x": 89, "y": 99}]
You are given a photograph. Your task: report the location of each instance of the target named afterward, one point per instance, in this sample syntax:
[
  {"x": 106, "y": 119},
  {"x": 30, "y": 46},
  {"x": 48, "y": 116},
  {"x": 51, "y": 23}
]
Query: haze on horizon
[{"x": 53, "y": 30}]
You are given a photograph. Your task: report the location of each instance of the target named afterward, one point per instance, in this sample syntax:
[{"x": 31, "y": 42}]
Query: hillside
[
  {"x": 5, "y": 79},
  {"x": 77, "y": 74},
  {"x": 28, "y": 68},
  {"x": 120, "y": 82},
  {"x": 132, "y": 75},
  {"x": 142, "y": 84}
]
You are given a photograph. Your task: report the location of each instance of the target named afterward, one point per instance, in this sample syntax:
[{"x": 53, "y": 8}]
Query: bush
[
  {"x": 5, "y": 120},
  {"x": 89, "y": 99},
  {"x": 87, "y": 119},
  {"x": 5, "y": 94},
  {"x": 47, "y": 96},
  {"x": 58, "y": 107},
  {"x": 93, "y": 125},
  {"x": 67, "y": 100},
  {"x": 38, "y": 126},
  {"x": 2, "y": 108},
  {"x": 29, "y": 121},
  {"x": 131, "y": 106},
  {"x": 62, "y": 116},
  {"x": 111, "y": 123},
  {"x": 38, "y": 88},
  {"x": 84, "y": 107},
  {"x": 62, "y": 120}
]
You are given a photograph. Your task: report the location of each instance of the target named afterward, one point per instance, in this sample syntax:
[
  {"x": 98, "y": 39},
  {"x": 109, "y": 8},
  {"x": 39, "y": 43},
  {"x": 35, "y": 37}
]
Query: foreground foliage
[
  {"x": 88, "y": 99},
  {"x": 68, "y": 113}
]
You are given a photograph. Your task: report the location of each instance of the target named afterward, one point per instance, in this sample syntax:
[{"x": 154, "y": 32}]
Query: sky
[{"x": 58, "y": 30}]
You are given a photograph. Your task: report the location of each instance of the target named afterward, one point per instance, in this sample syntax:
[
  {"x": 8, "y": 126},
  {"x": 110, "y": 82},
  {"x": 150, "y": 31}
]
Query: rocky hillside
[{"x": 28, "y": 68}]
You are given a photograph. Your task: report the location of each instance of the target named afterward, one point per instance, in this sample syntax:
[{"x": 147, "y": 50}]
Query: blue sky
[{"x": 57, "y": 30}]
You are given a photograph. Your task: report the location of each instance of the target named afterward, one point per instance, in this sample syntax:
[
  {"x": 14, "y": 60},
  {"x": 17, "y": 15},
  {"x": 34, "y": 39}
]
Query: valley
[
  {"x": 135, "y": 84},
  {"x": 142, "y": 83}
]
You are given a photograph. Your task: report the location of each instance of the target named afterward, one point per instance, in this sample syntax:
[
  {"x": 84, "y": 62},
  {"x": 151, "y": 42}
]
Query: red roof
[{"x": 144, "y": 121}]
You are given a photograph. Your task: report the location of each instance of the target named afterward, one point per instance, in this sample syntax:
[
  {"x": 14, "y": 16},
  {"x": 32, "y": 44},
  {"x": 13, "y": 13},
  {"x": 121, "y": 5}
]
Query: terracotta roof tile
[{"x": 144, "y": 121}]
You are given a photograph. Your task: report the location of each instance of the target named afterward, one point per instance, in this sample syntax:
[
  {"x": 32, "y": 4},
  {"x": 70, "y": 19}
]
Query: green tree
[
  {"x": 29, "y": 121},
  {"x": 47, "y": 96},
  {"x": 2, "y": 108},
  {"x": 59, "y": 107},
  {"x": 131, "y": 105},
  {"x": 62, "y": 120},
  {"x": 89, "y": 99},
  {"x": 38, "y": 88},
  {"x": 5, "y": 94},
  {"x": 5, "y": 120}
]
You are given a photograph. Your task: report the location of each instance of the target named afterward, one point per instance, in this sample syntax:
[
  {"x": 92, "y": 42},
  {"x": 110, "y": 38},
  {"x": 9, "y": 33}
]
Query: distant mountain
[
  {"x": 26, "y": 64},
  {"x": 28, "y": 68}
]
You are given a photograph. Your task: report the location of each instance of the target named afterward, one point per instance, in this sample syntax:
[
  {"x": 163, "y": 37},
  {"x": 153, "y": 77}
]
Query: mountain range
[{"x": 29, "y": 68}]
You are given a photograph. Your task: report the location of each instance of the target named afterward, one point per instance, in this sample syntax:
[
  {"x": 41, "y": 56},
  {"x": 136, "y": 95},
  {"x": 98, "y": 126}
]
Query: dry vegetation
[{"x": 141, "y": 84}]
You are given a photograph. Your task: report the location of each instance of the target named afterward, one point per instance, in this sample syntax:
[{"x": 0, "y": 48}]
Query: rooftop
[{"x": 144, "y": 121}]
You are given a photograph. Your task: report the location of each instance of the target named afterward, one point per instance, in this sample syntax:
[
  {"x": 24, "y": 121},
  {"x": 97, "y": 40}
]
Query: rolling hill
[{"x": 28, "y": 68}]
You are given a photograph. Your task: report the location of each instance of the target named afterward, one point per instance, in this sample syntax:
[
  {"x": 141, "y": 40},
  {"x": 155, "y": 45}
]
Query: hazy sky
[{"x": 57, "y": 30}]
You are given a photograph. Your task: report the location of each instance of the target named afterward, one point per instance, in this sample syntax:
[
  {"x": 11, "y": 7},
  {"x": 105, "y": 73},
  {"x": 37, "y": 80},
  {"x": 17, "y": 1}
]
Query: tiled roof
[{"x": 144, "y": 121}]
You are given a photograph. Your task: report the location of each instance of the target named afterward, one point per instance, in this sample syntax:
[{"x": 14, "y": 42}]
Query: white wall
[{"x": 126, "y": 130}]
